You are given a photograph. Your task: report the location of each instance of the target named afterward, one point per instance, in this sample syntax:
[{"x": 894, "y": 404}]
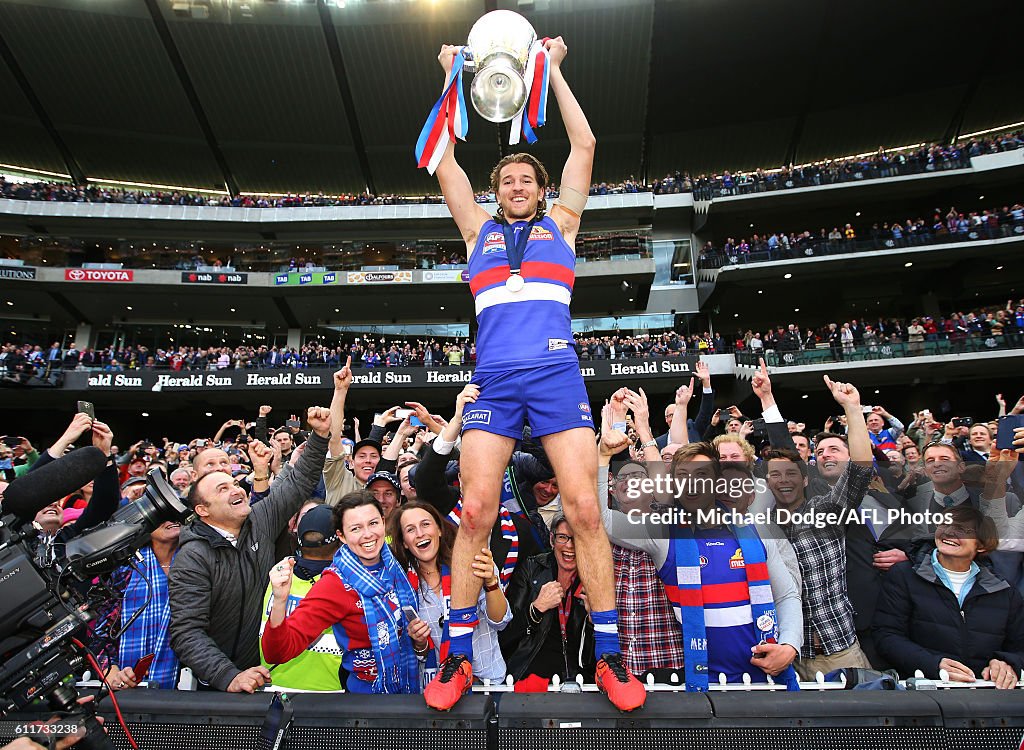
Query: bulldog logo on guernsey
[{"x": 540, "y": 233}]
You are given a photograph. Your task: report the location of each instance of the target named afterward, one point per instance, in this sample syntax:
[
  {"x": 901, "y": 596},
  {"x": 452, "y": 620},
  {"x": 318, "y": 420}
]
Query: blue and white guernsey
[{"x": 531, "y": 327}]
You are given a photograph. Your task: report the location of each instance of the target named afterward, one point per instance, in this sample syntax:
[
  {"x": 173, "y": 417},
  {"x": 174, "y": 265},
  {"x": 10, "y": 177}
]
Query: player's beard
[{"x": 523, "y": 212}]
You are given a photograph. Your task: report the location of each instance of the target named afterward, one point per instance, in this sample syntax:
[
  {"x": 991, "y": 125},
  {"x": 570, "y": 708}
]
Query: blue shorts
[{"x": 551, "y": 398}]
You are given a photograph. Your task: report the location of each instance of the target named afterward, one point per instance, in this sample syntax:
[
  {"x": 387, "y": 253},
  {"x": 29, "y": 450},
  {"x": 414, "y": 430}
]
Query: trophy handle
[{"x": 470, "y": 64}]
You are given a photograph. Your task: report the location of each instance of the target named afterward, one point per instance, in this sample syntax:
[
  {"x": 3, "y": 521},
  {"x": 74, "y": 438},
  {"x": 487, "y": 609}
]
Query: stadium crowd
[
  {"x": 944, "y": 226},
  {"x": 302, "y": 535},
  {"x": 885, "y": 163},
  {"x": 983, "y": 328}
]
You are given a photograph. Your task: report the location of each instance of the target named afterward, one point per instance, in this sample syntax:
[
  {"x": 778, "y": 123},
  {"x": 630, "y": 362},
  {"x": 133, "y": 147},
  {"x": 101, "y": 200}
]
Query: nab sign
[{"x": 220, "y": 277}]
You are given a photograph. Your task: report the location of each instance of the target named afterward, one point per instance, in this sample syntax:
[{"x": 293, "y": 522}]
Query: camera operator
[{"x": 105, "y": 495}]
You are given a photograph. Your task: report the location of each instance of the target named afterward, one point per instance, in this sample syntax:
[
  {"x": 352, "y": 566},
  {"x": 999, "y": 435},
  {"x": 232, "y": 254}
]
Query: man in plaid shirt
[
  {"x": 648, "y": 632},
  {"x": 830, "y": 635}
]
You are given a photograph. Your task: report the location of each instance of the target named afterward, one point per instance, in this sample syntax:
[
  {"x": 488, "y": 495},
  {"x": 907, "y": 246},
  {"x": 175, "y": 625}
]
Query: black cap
[
  {"x": 316, "y": 529},
  {"x": 364, "y": 443},
  {"x": 388, "y": 477}
]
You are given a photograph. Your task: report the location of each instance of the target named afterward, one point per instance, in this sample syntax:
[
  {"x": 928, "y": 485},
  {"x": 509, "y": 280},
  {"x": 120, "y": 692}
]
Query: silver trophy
[{"x": 499, "y": 45}]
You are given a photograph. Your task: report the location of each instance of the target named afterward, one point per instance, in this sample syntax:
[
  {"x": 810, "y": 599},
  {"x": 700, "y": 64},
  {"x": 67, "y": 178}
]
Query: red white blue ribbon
[
  {"x": 538, "y": 76},
  {"x": 447, "y": 120}
]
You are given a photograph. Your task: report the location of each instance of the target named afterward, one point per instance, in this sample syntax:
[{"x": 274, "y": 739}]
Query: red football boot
[
  {"x": 623, "y": 689},
  {"x": 452, "y": 681}
]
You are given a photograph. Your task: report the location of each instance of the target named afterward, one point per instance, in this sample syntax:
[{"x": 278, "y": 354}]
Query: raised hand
[
  {"x": 265, "y": 410},
  {"x": 998, "y": 469},
  {"x": 617, "y": 402},
  {"x": 447, "y": 56},
  {"x": 684, "y": 393},
  {"x": 556, "y": 50},
  {"x": 612, "y": 440},
  {"x": 281, "y": 578},
  {"x": 845, "y": 394},
  {"x": 102, "y": 437},
  {"x": 79, "y": 424},
  {"x": 422, "y": 414},
  {"x": 638, "y": 404},
  {"x": 387, "y": 417},
  {"x": 762, "y": 384},
  {"x": 260, "y": 455},
  {"x": 343, "y": 377},
  {"x": 703, "y": 373},
  {"x": 319, "y": 420}
]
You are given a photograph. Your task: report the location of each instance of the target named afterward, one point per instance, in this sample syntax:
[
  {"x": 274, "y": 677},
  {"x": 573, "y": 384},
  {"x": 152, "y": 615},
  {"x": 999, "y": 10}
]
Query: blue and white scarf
[
  {"x": 397, "y": 666},
  {"x": 686, "y": 596}
]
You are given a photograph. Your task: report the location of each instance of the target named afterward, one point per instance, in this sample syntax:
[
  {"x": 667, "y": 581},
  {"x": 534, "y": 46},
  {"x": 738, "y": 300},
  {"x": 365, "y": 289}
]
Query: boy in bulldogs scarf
[{"x": 736, "y": 602}]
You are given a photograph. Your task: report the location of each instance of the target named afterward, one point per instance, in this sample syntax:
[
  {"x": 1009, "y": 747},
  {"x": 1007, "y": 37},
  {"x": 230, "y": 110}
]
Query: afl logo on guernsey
[
  {"x": 540, "y": 233},
  {"x": 494, "y": 242}
]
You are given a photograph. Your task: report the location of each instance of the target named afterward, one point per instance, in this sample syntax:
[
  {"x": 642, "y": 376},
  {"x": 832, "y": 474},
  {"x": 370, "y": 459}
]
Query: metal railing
[
  {"x": 828, "y": 174},
  {"x": 819, "y": 247},
  {"x": 882, "y": 350}
]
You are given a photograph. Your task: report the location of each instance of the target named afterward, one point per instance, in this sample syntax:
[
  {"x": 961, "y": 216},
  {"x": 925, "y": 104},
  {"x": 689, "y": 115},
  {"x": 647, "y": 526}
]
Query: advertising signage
[
  {"x": 214, "y": 277},
  {"x": 306, "y": 278},
  {"x": 98, "y": 274},
  {"x": 630, "y": 370},
  {"x": 18, "y": 273},
  {"x": 379, "y": 277}
]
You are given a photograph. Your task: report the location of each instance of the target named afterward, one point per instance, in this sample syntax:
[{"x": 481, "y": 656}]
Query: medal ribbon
[
  {"x": 515, "y": 247},
  {"x": 537, "y": 77},
  {"x": 446, "y": 121}
]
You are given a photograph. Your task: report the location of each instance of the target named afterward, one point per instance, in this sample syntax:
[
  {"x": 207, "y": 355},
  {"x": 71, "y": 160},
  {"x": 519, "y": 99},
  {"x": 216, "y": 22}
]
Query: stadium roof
[{"x": 275, "y": 96}]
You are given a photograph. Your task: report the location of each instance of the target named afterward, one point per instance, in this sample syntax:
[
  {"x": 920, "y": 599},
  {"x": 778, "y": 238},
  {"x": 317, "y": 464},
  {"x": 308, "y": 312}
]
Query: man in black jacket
[
  {"x": 695, "y": 428},
  {"x": 224, "y": 557}
]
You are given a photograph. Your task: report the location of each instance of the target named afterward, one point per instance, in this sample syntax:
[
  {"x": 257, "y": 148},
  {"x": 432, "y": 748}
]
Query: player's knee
[
  {"x": 585, "y": 516},
  {"x": 476, "y": 517}
]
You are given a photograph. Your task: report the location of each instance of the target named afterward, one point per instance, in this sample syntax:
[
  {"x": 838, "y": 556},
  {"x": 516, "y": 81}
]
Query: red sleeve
[{"x": 322, "y": 607}]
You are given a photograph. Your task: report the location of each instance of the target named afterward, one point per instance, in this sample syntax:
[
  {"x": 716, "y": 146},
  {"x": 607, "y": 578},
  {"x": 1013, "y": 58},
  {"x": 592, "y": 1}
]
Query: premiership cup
[{"x": 499, "y": 45}]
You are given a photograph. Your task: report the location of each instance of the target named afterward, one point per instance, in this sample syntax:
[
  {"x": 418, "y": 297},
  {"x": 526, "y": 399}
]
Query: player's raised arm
[
  {"x": 575, "y": 184},
  {"x": 455, "y": 185}
]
